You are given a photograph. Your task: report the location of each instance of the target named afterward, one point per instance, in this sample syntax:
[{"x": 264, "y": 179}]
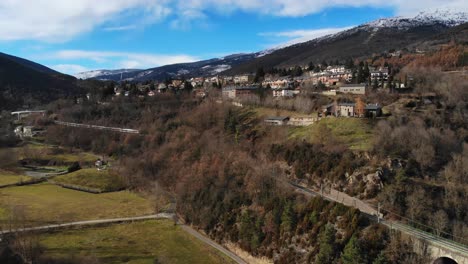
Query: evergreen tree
[
  {"x": 360, "y": 75},
  {"x": 287, "y": 218},
  {"x": 381, "y": 259},
  {"x": 366, "y": 73},
  {"x": 352, "y": 253},
  {"x": 259, "y": 74},
  {"x": 354, "y": 75},
  {"x": 297, "y": 71},
  {"x": 326, "y": 253},
  {"x": 311, "y": 66},
  {"x": 375, "y": 84},
  {"x": 349, "y": 64},
  {"x": 324, "y": 64}
]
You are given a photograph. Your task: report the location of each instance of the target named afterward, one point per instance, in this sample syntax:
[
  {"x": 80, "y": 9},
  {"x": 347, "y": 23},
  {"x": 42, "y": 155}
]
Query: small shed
[
  {"x": 373, "y": 110},
  {"x": 277, "y": 120}
]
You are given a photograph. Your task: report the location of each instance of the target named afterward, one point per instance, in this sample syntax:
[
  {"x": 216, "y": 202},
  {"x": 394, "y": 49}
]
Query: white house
[
  {"x": 354, "y": 89},
  {"x": 283, "y": 93},
  {"x": 346, "y": 109}
]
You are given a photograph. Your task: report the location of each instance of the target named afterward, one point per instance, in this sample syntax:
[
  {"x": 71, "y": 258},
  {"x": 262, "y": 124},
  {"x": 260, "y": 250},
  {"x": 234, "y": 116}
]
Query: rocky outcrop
[{"x": 366, "y": 182}]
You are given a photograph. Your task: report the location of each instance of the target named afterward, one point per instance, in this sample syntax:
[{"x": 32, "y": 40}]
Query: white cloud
[
  {"x": 184, "y": 21},
  {"x": 120, "y": 28},
  {"x": 299, "y": 36},
  {"x": 120, "y": 59},
  {"x": 59, "y": 20},
  {"x": 69, "y": 68}
]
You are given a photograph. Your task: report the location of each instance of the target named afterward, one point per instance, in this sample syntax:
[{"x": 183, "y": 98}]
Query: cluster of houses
[
  {"x": 243, "y": 92},
  {"x": 243, "y": 79},
  {"x": 336, "y": 78},
  {"x": 351, "y": 109},
  {"x": 152, "y": 89},
  {"x": 333, "y": 109},
  {"x": 247, "y": 92}
]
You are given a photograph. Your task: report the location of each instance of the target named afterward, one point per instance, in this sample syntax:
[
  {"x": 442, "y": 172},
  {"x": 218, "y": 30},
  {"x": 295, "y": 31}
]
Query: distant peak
[{"x": 446, "y": 17}]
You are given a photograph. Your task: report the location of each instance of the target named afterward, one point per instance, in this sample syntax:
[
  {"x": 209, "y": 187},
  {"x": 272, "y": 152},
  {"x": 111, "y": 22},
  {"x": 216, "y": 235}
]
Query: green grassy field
[
  {"x": 136, "y": 243},
  {"x": 7, "y": 177},
  {"x": 57, "y": 154},
  {"x": 356, "y": 133},
  {"x": 103, "y": 180},
  {"x": 47, "y": 203}
]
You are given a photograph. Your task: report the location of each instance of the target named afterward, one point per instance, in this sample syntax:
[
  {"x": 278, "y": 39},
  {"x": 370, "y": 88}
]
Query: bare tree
[
  {"x": 440, "y": 221},
  {"x": 415, "y": 203}
]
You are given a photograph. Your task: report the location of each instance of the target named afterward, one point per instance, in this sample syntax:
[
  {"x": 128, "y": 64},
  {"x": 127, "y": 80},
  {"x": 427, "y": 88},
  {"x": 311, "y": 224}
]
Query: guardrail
[
  {"x": 429, "y": 237},
  {"x": 415, "y": 232},
  {"x": 114, "y": 129}
]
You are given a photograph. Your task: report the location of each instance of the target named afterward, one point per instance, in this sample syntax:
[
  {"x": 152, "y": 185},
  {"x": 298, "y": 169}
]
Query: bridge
[
  {"x": 440, "y": 250},
  {"x": 114, "y": 129},
  {"x": 27, "y": 113},
  {"x": 436, "y": 247}
]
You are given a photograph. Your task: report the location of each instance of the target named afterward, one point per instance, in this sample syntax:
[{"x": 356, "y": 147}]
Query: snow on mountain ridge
[
  {"x": 97, "y": 73},
  {"x": 445, "y": 17}
]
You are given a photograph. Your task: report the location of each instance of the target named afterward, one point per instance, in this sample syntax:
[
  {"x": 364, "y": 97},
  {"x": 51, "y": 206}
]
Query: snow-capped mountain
[
  {"x": 446, "y": 18},
  {"x": 102, "y": 73},
  {"x": 364, "y": 40},
  {"x": 209, "y": 67},
  {"x": 373, "y": 37}
]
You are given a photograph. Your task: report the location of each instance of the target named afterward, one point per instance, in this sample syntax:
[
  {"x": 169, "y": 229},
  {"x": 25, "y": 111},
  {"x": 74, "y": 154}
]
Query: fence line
[{"x": 114, "y": 129}]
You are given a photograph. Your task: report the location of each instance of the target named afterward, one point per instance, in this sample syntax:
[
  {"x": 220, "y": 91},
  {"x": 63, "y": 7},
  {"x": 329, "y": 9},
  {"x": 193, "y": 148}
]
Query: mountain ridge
[
  {"x": 374, "y": 37},
  {"x": 26, "y": 83}
]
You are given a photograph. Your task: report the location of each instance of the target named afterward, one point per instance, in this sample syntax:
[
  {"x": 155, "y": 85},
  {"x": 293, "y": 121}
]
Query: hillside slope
[
  {"x": 25, "y": 83},
  {"x": 365, "y": 40},
  {"x": 181, "y": 70},
  {"x": 30, "y": 64}
]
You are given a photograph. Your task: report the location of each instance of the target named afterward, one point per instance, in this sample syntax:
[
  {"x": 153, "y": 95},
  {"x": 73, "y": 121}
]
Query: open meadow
[
  {"x": 7, "y": 177},
  {"x": 46, "y": 203},
  {"x": 356, "y": 133},
  {"x": 156, "y": 241},
  {"x": 99, "y": 180}
]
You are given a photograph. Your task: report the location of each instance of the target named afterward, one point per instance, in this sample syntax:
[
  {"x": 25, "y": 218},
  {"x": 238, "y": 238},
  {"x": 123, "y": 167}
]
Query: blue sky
[{"x": 110, "y": 34}]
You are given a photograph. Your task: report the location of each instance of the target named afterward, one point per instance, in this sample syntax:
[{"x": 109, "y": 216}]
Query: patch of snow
[
  {"x": 214, "y": 69},
  {"x": 221, "y": 68},
  {"x": 445, "y": 17},
  {"x": 183, "y": 71},
  {"x": 101, "y": 73},
  {"x": 144, "y": 73}
]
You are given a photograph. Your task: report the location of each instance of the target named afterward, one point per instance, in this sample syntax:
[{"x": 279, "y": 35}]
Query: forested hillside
[
  {"x": 24, "y": 83},
  {"x": 229, "y": 171},
  {"x": 359, "y": 42}
]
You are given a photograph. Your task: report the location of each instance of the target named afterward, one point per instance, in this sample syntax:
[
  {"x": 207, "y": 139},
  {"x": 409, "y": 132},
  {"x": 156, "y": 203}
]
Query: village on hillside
[{"x": 338, "y": 90}]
